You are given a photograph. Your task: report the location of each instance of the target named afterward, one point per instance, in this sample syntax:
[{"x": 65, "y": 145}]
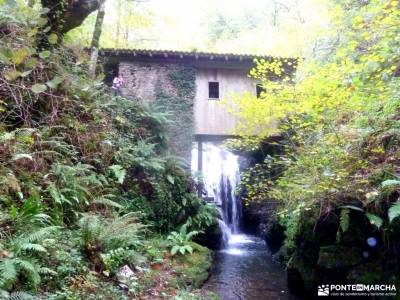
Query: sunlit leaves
[
  {"x": 11, "y": 75},
  {"x": 119, "y": 172},
  {"x": 329, "y": 113},
  {"x": 20, "y": 55}
]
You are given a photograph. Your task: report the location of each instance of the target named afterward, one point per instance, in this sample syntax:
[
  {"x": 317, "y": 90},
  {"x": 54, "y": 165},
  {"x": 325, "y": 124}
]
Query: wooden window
[{"x": 213, "y": 90}]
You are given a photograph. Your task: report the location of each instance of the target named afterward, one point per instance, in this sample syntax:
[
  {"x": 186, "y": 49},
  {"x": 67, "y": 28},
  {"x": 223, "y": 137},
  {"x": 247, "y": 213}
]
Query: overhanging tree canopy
[{"x": 65, "y": 15}]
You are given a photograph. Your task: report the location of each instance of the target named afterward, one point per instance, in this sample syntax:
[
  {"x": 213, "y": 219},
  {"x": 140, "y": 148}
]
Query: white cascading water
[
  {"x": 220, "y": 176},
  {"x": 243, "y": 267}
]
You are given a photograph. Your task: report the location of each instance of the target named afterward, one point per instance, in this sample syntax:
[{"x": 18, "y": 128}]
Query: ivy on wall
[{"x": 179, "y": 101}]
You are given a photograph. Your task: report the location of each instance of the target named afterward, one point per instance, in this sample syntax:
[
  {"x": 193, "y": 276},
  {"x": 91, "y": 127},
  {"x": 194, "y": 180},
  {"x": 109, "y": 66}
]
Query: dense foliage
[
  {"x": 87, "y": 182},
  {"x": 338, "y": 183}
]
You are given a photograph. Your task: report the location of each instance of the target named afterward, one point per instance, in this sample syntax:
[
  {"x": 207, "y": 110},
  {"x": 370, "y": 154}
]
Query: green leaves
[
  {"x": 38, "y": 88},
  {"x": 21, "y": 258},
  {"x": 11, "y": 75},
  {"x": 6, "y": 55},
  {"x": 31, "y": 63},
  {"x": 119, "y": 172},
  {"x": 394, "y": 212},
  {"x": 44, "y": 54},
  {"x": 53, "y": 84},
  {"x": 180, "y": 241},
  {"x": 170, "y": 179},
  {"x": 20, "y": 55},
  {"x": 53, "y": 38},
  {"x": 390, "y": 183},
  {"x": 175, "y": 249},
  {"x": 374, "y": 220}
]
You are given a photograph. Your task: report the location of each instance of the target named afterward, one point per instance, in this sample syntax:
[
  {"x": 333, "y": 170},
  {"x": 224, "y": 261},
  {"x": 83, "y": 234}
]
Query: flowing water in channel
[{"x": 243, "y": 269}]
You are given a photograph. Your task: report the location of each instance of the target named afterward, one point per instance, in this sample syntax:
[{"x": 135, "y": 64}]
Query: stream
[{"x": 243, "y": 269}]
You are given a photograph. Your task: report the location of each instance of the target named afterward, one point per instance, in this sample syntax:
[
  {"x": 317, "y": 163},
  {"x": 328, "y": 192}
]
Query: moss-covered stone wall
[{"x": 170, "y": 88}]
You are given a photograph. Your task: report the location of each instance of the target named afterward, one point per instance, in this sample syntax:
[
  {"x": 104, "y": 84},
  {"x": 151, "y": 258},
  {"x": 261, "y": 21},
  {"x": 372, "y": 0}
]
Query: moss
[
  {"x": 305, "y": 272},
  {"x": 332, "y": 257},
  {"x": 197, "y": 295},
  {"x": 193, "y": 268}
]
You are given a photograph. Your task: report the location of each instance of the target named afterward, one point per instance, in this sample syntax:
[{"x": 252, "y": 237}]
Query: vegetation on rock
[
  {"x": 88, "y": 184},
  {"x": 337, "y": 179}
]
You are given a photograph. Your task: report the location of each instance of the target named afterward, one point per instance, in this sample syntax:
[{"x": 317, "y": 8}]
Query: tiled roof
[{"x": 184, "y": 54}]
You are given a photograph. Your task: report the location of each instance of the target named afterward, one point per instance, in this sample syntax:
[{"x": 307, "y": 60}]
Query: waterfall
[{"x": 220, "y": 174}]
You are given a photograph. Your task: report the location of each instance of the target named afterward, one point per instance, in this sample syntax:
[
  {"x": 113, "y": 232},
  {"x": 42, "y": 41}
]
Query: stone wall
[
  {"x": 141, "y": 79},
  {"x": 170, "y": 88}
]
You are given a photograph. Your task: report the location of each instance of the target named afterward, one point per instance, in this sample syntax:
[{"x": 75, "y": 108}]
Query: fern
[
  {"x": 29, "y": 269},
  {"x": 32, "y": 247},
  {"x": 123, "y": 232},
  {"x": 21, "y": 296},
  {"x": 39, "y": 234},
  {"x": 46, "y": 271},
  {"x": 119, "y": 173},
  {"x": 106, "y": 201},
  {"x": 120, "y": 232},
  {"x": 8, "y": 270},
  {"x": 23, "y": 251},
  {"x": 394, "y": 212},
  {"x": 179, "y": 241}
]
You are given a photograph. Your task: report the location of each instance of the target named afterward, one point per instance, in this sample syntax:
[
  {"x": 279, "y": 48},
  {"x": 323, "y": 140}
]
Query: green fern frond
[
  {"x": 8, "y": 270},
  {"x": 46, "y": 271},
  {"x": 21, "y": 296},
  {"x": 106, "y": 202},
  {"x": 30, "y": 270},
  {"x": 32, "y": 247},
  {"x": 39, "y": 234}
]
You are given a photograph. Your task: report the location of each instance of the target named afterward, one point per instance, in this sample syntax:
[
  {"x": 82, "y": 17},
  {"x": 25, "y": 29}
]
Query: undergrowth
[{"x": 87, "y": 180}]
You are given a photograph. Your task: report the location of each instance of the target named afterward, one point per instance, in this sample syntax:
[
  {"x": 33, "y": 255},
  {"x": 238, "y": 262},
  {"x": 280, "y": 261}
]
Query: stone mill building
[{"x": 189, "y": 85}]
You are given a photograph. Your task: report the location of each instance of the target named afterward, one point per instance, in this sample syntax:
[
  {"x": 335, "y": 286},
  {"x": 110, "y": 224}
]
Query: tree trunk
[
  {"x": 65, "y": 15},
  {"x": 96, "y": 38},
  {"x": 119, "y": 17}
]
